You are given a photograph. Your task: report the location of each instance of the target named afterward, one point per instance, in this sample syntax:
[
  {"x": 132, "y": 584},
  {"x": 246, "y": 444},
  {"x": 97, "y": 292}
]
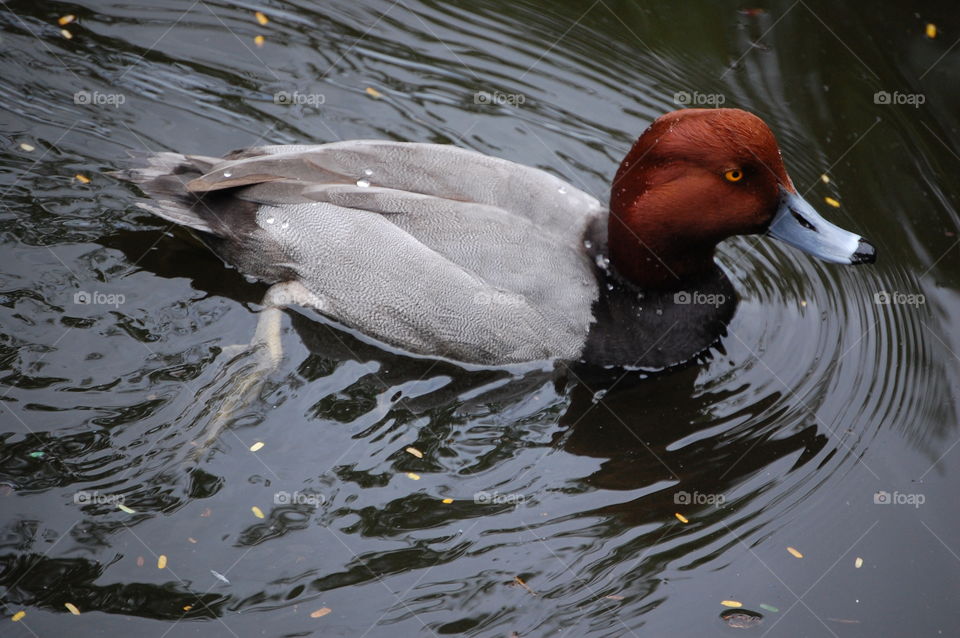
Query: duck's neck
[{"x": 653, "y": 261}]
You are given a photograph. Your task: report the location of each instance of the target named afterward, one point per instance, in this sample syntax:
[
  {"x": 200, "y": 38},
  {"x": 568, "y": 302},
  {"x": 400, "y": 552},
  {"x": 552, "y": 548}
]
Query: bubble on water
[
  {"x": 368, "y": 171},
  {"x": 227, "y": 173},
  {"x": 587, "y": 244},
  {"x": 270, "y": 220},
  {"x": 602, "y": 262},
  {"x": 250, "y": 279},
  {"x": 285, "y": 225},
  {"x": 659, "y": 311},
  {"x": 363, "y": 183},
  {"x": 562, "y": 190}
]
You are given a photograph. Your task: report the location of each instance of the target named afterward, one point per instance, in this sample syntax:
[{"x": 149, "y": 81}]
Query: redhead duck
[{"x": 449, "y": 253}]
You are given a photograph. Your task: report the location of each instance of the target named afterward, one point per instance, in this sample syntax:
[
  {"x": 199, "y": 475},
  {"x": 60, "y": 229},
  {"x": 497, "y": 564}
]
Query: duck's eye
[{"x": 733, "y": 175}]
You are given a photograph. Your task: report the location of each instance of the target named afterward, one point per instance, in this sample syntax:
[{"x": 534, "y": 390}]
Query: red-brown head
[{"x": 698, "y": 176}]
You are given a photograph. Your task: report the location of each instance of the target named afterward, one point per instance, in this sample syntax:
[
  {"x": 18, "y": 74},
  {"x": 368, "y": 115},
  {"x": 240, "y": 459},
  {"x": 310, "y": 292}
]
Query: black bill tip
[{"x": 865, "y": 254}]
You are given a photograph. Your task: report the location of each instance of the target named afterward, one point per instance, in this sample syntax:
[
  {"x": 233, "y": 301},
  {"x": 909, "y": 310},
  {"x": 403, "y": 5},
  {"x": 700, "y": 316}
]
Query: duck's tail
[{"x": 164, "y": 176}]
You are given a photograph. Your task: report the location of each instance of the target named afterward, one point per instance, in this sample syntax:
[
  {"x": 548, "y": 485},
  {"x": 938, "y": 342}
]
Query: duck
[{"x": 444, "y": 252}]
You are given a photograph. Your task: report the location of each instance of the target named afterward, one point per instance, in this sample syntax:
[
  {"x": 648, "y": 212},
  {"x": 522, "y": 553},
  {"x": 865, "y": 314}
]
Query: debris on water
[
  {"x": 220, "y": 576},
  {"x": 847, "y": 621},
  {"x": 681, "y": 518},
  {"x": 614, "y": 597},
  {"x": 731, "y": 603},
  {"x": 66, "y": 34},
  {"x": 27, "y": 147},
  {"x": 162, "y": 561},
  {"x": 858, "y": 563},
  {"x": 206, "y": 512},
  {"x": 414, "y": 451},
  {"x": 767, "y": 607},
  {"x": 140, "y": 561},
  {"x": 517, "y": 581},
  {"x": 741, "y": 618},
  {"x": 124, "y": 508},
  {"x": 794, "y": 552},
  {"x": 825, "y": 178},
  {"x": 72, "y": 608},
  {"x": 36, "y": 455},
  {"x": 192, "y": 539},
  {"x": 256, "y": 446},
  {"x": 372, "y": 92},
  {"x": 257, "y": 511},
  {"x": 320, "y": 613},
  {"x": 413, "y": 476}
]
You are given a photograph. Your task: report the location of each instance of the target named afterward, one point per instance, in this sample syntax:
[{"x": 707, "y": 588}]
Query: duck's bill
[{"x": 798, "y": 224}]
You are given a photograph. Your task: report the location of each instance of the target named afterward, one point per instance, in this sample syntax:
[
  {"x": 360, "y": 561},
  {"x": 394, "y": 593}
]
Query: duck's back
[{"x": 435, "y": 249}]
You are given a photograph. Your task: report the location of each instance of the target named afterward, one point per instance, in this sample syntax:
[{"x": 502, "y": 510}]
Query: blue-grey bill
[{"x": 798, "y": 224}]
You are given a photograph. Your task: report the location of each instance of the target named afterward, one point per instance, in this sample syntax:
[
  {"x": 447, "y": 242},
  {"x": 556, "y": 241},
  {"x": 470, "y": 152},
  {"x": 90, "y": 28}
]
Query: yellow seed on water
[
  {"x": 794, "y": 553},
  {"x": 681, "y": 518},
  {"x": 825, "y": 178},
  {"x": 320, "y": 613},
  {"x": 259, "y": 40},
  {"x": 261, "y": 17},
  {"x": 803, "y": 304},
  {"x": 832, "y": 202},
  {"x": 447, "y": 501},
  {"x": 414, "y": 451},
  {"x": 256, "y": 446},
  {"x": 931, "y": 30},
  {"x": 17, "y": 617},
  {"x": 67, "y": 19},
  {"x": 72, "y": 608},
  {"x": 66, "y": 34},
  {"x": 83, "y": 179},
  {"x": 858, "y": 563},
  {"x": 372, "y": 92},
  {"x": 187, "y": 607},
  {"x": 413, "y": 477},
  {"x": 27, "y": 147},
  {"x": 162, "y": 561},
  {"x": 731, "y": 603},
  {"x": 257, "y": 511}
]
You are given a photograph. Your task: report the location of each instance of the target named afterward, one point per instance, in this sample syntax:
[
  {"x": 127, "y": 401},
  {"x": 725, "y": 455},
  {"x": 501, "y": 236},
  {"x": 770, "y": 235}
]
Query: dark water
[{"x": 817, "y": 399}]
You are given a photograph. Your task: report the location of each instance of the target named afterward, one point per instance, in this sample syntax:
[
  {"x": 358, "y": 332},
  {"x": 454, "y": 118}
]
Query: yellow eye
[{"x": 733, "y": 175}]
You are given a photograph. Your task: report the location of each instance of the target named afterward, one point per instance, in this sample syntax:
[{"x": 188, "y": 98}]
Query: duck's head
[{"x": 698, "y": 176}]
